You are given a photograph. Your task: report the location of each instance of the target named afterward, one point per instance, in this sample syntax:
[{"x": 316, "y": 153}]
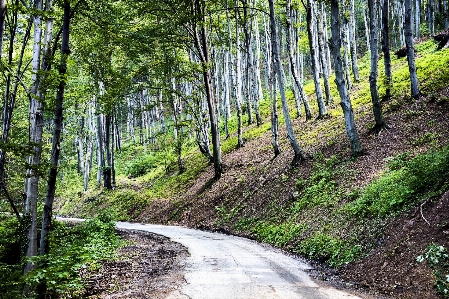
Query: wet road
[{"x": 228, "y": 267}]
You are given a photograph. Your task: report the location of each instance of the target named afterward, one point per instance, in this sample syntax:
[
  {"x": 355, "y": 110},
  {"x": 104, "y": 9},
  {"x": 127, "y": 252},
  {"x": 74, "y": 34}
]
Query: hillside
[{"x": 369, "y": 218}]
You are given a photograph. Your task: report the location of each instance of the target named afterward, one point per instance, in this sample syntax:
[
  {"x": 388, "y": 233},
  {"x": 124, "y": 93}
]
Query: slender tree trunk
[
  {"x": 107, "y": 175},
  {"x": 386, "y": 47},
  {"x": 36, "y": 125},
  {"x": 430, "y": 17},
  {"x": 274, "y": 116},
  {"x": 418, "y": 18},
  {"x": 2, "y": 24},
  {"x": 353, "y": 43},
  {"x": 367, "y": 34},
  {"x": 279, "y": 71},
  {"x": 322, "y": 53},
  {"x": 410, "y": 49},
  {"x": 314, "y": 59},
  {"x": 298, "y": 84},
  {"x": 100, "y": 148},
  {"x": 248, "y": 67},
  {"x": 202, "y": 47},
  {"x": 377, "y": 107},
  {"x": 346, "y": 50},
  {"x": 258, "y": 82},
  {"x": 345, "y": 103},
  {"x": 89, "y": 150},
  {"x": 56, "y": 147},
  {"x": 238, "y": 85}
]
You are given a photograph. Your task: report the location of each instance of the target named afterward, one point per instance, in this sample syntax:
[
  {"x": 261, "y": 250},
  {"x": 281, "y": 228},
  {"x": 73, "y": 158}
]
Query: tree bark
[
  {"x": 293, "y": 67},
  {"x": 345, "y": 103},
  {"x": 322, "y": 53},
  {"x": 56, "y": 147},
  {"x": 107, "y": 171},
  {"x": 377, "y": 107},
  {"x": 36, "y": 122},
  {"x": 410, "y": 49},
  {"x": 386, "y": 47},
  {"x": 2, "y": 24},
  {"x": 353, "y": 42},
  {"x": 280, "y": 76},
  {"x": 202, "y": 47},
  {"x": 314, "y": 59},
  {"x": 238, "y": 83},
  {"x": 248, "y": 67}
]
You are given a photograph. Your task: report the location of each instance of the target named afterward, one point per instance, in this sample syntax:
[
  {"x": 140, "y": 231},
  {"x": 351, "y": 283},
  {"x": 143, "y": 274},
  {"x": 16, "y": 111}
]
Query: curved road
[{"x": 228, "y": 267}]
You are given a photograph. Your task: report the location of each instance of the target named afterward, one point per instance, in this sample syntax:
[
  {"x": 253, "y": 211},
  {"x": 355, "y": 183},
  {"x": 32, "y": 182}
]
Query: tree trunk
[
  {"x": 274, "y": 116},
  {"x": 258, "y": 82},
  {"x": 418, "y": 18},
  {"x": 248, "y": 67},
  {"x": 100, "y": 148},
  {"x": 322, "y": 53},
  {"x": 202, "y": 47},
  {"x": 314, "y": 59},
  {"x": 346, "y": 50},
  {"x": 238, "y": 83},
  {"x": 367, "y": 34},
  {"x": 36, "y": 125},
  {"x": 377, "y": 107},
  {"x": 293, "y": 67},
  {"x": 280, "y": 76},
  {"x": 386, "y": 47},
  {"x": 56, "y": 147},
  {"x": 107, "y": 171},
  {"x": 345, "y": 103},
  {"x": 89, "y": 149},
  {"x": 410, "y": 49},
  {"x": 353, "y": 43},
  {"x": 2, "y": 24}
]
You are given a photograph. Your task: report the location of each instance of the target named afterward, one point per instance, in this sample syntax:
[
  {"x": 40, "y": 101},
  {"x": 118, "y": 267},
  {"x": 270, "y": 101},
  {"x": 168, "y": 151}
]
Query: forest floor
[
  {"x": 149, "y": 266},
  {"x": 390, "y": 269}
]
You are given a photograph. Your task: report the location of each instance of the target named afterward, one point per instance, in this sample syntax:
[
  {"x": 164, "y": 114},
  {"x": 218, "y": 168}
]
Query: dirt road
[{"x": 228, "y": 267}]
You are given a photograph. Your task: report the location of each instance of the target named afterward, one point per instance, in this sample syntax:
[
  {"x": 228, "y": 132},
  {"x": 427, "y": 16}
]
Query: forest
[{"x": 306, "y": 124}]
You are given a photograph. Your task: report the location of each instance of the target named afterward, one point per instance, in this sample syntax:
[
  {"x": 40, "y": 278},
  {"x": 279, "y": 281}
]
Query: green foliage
[
  {"x": 71, "y": 248},
  {"x": 321, "y": 188},
  {"x": 143, "y": 164},
  {"x": 438, "y": 259},
  {"x": 279, "y": 235},
  {"x": 406, "y": 182},
  {"x": 225, "y": 215},
  {"x": 328, "y": 249}
]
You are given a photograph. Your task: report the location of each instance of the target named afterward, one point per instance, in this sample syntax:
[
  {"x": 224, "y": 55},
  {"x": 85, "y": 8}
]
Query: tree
[
  {"x": 299, "y": 156},
  {"x": 377, "y": 108},
  {"x": 345, "y": 103},
  {"x": 302, "y": 95},
  {"x": 56, "y": 147},
  {"x": 2, "y": 24},
  {"x": 201, "y": 45},
  {"x": 410, "y": 49},
  {"x": 386, "y": 46},
  {"x": 36, "y": 121},
  {"x": 311, "y": 24}
]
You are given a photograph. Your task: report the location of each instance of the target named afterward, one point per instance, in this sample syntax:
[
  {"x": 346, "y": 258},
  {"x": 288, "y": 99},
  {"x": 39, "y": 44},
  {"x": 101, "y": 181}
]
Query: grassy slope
[{"x": 328, "y": 208}]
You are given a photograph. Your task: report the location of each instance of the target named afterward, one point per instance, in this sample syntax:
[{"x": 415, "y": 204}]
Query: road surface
[{"x": 229, "y": 267}]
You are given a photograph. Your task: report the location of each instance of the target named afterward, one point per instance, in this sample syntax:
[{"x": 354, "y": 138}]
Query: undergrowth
[{"x": 72, "y": 248}]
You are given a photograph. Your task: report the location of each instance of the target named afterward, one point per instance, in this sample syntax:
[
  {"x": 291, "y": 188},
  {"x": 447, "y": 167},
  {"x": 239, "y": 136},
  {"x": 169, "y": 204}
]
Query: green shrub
[
  {"x": 406, "y": 182},
  {"x": 278, "y": 234},
  {"x": 438, "y": 259},
  {"x": 72, "y": 248},
  {"x": 328, "y": 249}
]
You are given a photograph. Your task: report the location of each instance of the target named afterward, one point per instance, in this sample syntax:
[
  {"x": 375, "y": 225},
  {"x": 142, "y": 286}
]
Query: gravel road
[{"x": 229, "y": 267}]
